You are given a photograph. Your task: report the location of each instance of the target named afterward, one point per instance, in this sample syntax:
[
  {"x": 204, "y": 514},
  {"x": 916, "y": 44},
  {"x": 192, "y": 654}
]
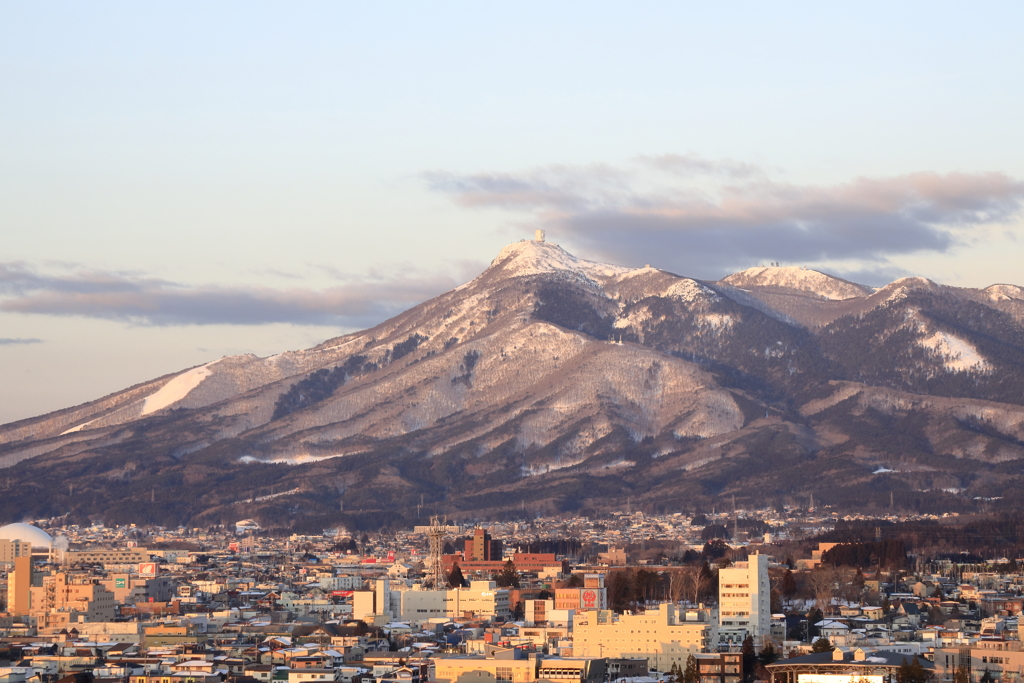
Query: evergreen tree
[
  {"x": 508, "y": 577},
  {"x": 914, "y": 672},
  {"x": 455, "y": 578},
  {"x": 821, "y": 645},
  {"x": 767, "y": 655},
  {"x": 691, "y": 674},
  {"x": 788, "y": 584},
  {"x": 749, "y": 658}
]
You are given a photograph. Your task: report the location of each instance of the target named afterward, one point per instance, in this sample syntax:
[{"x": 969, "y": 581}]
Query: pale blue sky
[{"x": 180, "y": 181}]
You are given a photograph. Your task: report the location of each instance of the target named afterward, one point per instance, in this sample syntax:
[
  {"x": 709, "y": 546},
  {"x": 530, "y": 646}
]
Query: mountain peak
[
  {"x": 531, "y": 257},
  {"x": 797, "y": 278},
  {"x": 1005, "y": 292}
]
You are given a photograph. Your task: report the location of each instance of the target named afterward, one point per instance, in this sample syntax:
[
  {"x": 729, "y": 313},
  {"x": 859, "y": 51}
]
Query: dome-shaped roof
[{"x": 26, "y": 532}]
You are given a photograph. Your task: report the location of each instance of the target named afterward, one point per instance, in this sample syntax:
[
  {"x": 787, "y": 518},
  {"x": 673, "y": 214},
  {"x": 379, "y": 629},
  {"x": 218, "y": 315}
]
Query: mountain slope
[{"x": 559, "y": 384}]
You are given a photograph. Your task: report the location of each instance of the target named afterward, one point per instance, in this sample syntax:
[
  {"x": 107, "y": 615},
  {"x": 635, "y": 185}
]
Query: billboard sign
[{"x": 148, "y": 569}]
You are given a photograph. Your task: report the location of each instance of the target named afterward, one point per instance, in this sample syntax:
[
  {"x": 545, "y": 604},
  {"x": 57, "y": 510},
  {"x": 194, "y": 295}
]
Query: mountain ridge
[{"x": 546, "y": 374}]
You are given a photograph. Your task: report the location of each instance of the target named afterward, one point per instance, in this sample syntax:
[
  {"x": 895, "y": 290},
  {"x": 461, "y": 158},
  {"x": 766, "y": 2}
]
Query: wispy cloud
[
  {"x": 10, "y": 341},
  {"x": 358, "y": 301},
  {"x": 705, "y": 217}
]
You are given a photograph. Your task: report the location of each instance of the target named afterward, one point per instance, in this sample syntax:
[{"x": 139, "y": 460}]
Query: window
[{"x": 503, "y": 674}]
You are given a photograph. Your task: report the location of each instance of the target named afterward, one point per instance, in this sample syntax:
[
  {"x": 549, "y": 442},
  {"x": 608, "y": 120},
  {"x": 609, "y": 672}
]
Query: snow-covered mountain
[
  {"x": 798, "y": 280},
  {"x": 562, "y": 384}
]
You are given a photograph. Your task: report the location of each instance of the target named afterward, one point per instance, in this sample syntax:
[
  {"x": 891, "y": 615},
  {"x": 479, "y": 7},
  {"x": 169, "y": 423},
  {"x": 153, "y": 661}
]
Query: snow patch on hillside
[
  {"x": 800, "y": 279},
  {"x": 716, "y": 321},
  {"x": 635, "y": 318},
  {"x": 301, "y": 459},
  {"x": 78, "y": 428},
  {"x": 957, "y": 354},
  {"x": 176, "y": 389}
]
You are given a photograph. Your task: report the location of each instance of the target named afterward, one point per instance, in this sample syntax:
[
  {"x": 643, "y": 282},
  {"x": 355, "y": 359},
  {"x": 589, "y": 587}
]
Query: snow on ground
[
  {"x": 1005, "y": 292},
  {"x": 302, "y": 459},
  {"x": 531, "y": 258},
  {"x": 801, "y": 279},
  {"x": 716, "y": 321},
  {"x": 958, "y": 354},
  {"x": 78, "y": 428},
  {"x": 689, "y": 291},
  {"x": 636, "y": 318},
  {"x": 176, "y": 389}
]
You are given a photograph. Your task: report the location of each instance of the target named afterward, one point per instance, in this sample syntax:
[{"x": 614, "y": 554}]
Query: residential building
[
  {"x": 11, "y": 549},
  {"x": 744, "y": 601},
  {"x": 723, "y": 667}
]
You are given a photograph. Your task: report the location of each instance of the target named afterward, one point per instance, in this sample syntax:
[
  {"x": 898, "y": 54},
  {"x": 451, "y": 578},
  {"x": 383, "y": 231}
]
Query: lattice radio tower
[{"x": 435, "y": 577}]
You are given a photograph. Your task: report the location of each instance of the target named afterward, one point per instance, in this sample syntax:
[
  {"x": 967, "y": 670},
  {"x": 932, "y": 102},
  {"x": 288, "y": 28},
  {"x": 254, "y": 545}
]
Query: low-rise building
[{"x": 663, "y": 637}]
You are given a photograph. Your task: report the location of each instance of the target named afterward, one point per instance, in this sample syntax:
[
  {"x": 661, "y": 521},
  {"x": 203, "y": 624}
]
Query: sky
[{"x": 184, "y": 181}]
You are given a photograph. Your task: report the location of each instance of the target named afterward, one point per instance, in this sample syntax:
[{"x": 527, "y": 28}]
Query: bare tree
[
  {"x": 696, "y": 582},
  {"x": 824, "y": 582},
  {"x": 676, "y": 585}
]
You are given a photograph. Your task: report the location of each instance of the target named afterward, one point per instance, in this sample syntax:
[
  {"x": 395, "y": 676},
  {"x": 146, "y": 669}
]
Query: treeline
[
  {"x": 988, "y": 537},
  {"x": 318, "y": 386},
  {"x": 889, "y": 554},
  {"x": 570, "y": 547}
]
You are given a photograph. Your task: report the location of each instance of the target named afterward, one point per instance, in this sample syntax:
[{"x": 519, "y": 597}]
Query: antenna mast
[{"x": 435, "y": 577}]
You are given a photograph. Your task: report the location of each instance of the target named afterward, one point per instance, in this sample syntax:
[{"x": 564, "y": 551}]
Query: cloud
[
  {"x": 704, "y": 217},
  {"x": 10, "y": 341},
  {"x": 135, "y": 298}
]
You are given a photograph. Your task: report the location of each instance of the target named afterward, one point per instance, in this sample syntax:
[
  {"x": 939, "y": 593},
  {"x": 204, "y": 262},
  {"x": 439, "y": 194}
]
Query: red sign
[
  {"x": 589, "y": 597},
  {"x": 341, "y": 594}
]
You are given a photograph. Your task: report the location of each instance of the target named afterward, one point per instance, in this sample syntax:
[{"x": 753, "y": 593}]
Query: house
[{"x": 312, "y": 675}]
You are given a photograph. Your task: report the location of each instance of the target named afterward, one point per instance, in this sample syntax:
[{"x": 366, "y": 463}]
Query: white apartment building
[
  {"x": 482, "y": 599},
  {"x": 663, "y": 637},
  {"x": 744, "y": 601}
]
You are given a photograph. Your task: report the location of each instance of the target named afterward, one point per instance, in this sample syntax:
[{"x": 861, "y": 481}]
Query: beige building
[
  {"x": 663, "y": 637},
  {"x": 171, "y": 635},
  {"x": 11, "y": 549},
  {"x": 66, "y": 598},
  {"x": 504, "y": 668},
  {"x": 481, "y": 599},
  {"x": 107, "y": 556},
  {"x": 1002, "y": 658},
  {"x": 19, "y": 586}
]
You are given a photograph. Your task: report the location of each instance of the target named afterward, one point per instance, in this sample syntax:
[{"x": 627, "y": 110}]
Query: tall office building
[
  {"x": 744, "y": 601},
  {"x": 480, "y": 547}
]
